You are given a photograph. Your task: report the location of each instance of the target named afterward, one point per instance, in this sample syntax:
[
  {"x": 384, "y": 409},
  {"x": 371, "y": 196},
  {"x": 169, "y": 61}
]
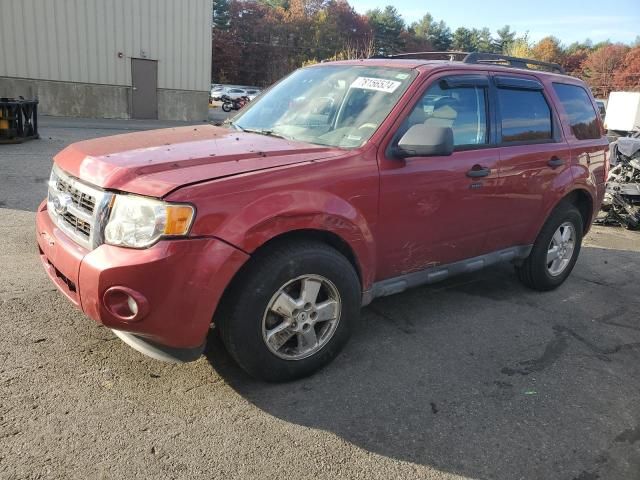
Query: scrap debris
[{"x": 621, "y": 204}]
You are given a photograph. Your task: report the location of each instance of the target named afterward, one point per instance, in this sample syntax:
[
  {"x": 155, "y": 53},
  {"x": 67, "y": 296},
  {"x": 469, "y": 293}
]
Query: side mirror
[{"x": 425, "y": 141}]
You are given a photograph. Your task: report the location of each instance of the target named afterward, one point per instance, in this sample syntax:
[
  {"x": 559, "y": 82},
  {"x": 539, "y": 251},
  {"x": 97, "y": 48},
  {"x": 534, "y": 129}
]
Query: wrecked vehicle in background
[{"x": 621, "y": 204}]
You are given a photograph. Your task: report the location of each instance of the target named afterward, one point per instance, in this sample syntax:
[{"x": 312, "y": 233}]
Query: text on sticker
[{"x": 379, "y": 84}]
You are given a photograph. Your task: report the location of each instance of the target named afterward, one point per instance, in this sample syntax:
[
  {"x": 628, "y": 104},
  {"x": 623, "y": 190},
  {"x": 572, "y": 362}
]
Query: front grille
[
  {"x": 80, "y": 199},
  {"x": 77, "y": 209},
  {"x": 84, "y": 228}
]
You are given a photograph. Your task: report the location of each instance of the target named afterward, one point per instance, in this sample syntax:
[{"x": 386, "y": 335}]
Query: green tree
[
  {"x": 387, "y": 26},
  {"x": 505, "y": 39},
  {"x": 463, "y": 40},
  {"x": 221, "y": 14},
  {"x": 483, "y": 42},
  {"x": 437, "y": 34},
  {"x": 578, "y": 47}
]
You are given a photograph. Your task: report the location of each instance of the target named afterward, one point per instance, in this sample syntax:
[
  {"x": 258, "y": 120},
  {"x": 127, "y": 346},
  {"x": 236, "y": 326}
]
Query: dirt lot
[{"x": 477, "y": 377}]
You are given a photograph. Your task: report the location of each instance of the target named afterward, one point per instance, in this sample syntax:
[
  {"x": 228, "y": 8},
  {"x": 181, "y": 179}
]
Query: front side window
[
  {"x": 525, "y": 116},
  {"x": 463, "y": 109},
  {"x": 582, "y": 116},
  {"x": 336, "y": 105}
]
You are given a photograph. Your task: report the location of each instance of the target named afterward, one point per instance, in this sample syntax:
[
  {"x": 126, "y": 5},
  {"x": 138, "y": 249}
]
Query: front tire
[
  {"x": 555, "y": 251},
  {"x": 290, "y": 311},
  {"x": 227, "y": 107}
]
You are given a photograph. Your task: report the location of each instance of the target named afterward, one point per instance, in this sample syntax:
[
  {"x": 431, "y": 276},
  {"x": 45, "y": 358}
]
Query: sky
[{"x": 569, "y": 20}]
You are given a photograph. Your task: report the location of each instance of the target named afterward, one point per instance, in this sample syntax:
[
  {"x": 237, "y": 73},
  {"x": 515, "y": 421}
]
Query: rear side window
[
  {"x": 582, "y": 116},
  {"x": 525, "y": 116}
]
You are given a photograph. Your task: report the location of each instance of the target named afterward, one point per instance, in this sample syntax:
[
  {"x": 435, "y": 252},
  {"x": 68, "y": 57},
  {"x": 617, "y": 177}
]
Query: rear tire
[
  {"x": 555, "y": 251},
  {"x": 275, "y": 320},
  {"x": 227, "y": 107}
]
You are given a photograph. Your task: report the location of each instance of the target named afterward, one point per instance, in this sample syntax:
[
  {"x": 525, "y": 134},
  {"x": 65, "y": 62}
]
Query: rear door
[
  {"x": 585, "y": 135},
  {"x": 534, "y": 159}
]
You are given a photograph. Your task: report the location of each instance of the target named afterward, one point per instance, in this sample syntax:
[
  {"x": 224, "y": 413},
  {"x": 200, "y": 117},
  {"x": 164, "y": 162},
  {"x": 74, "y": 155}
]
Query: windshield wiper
[{"x": 269, "y": 133}]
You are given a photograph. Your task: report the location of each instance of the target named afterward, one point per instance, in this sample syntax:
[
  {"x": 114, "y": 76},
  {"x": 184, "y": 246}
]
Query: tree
[
  {"x": 463, "y": 40},
  {"x": 340, "y": 31},
  {"x": 548, "y": 50},
  {"x": 505, "y": 39},
  {"x": 387, "y": 26},
  {"x": 437, "y": 34},
  {"x": 520, "y": 47},
  {"x": 578, "y": 46},
  {"x": 628, "y": 76},
  {"x": 573, "y": 62},
  {"x": 601, "y": 65},
  {"x": 221, "y": 14},
  {"x": 482, "y": 40}
]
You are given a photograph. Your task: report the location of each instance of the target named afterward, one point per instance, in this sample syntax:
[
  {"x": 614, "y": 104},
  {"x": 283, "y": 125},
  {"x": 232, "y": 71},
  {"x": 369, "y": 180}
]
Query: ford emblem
[{"x": 61, "y": 203}]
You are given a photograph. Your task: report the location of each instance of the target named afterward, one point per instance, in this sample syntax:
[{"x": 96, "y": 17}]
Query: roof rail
[{"x": 481, "y": 58}]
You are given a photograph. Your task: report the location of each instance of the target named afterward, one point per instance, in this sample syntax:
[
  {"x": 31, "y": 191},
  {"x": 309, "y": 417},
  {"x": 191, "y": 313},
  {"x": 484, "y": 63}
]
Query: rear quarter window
[
  {"x": 525, "y": 116},
  {"x": 577, "y": 104}
]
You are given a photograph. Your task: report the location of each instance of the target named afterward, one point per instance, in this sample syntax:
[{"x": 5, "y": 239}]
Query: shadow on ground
[{"x": 482, "y": 377}]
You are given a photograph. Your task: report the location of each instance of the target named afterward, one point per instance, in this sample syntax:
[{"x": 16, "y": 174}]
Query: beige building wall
[{"x": 47, "y": 45}]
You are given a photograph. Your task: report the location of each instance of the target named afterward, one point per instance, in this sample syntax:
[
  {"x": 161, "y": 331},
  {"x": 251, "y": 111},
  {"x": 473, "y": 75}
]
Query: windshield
[{"x": 337, "y": 105}]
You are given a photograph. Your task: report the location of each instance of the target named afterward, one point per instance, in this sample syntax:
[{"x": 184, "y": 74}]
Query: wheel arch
[
  {"x": 327, "y": 237},
  {"x": 583, "y": 201},
  {"x": 298, "y": 235},
  {"x": 579, "y": 197}
]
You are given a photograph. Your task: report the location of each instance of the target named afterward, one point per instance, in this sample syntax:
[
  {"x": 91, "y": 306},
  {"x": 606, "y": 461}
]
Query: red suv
[{"x": 344, "y": 182}]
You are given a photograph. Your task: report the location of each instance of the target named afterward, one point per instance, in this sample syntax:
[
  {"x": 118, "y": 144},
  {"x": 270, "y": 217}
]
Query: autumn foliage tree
[
  {"x": 600, "y": 67},
  {"x": 627, "y": 77},
  {"x": 548, "y": 50},
  {"x": 256, "y": 42}
]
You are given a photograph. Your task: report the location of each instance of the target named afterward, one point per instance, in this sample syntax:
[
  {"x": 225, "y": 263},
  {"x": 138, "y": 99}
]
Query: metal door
[
  {"x": 144, "y": 79},
  {"x": 434, "y": 209}
]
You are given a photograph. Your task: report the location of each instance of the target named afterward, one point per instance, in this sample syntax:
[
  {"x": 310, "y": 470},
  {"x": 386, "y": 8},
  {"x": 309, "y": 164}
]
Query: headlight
[{"x": 139, "y": 222}]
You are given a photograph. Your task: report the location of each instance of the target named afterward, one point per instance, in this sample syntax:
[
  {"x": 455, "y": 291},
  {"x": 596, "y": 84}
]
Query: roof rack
[{"x": 481, "y": 58}]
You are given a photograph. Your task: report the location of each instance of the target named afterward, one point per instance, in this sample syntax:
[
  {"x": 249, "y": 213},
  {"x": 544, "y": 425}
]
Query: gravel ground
[{"x": 476, "y": 377}]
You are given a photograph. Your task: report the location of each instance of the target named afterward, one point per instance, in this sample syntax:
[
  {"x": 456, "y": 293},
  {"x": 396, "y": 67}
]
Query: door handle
[
  {"x": 478, "y": 171},
  {"x": 555, "y": 162}
]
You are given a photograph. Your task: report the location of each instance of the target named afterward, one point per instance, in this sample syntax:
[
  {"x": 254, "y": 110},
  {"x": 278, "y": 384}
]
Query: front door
[
  {"x": 144, "y": 79},
  {"x": 433, "y": 209}
]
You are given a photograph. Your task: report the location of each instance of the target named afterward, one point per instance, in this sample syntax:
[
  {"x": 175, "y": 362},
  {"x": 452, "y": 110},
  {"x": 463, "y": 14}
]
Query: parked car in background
[
  {"x": 388, "y": 174},
  {"x": 216, "y": 91},
  {"x": 234, "y": 92},
  {"x": 253, "y": 93}
]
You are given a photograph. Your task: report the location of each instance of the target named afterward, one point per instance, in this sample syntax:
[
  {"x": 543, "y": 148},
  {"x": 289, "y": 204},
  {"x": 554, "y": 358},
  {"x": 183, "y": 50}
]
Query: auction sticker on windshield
[{"x": 379, "y": 84}]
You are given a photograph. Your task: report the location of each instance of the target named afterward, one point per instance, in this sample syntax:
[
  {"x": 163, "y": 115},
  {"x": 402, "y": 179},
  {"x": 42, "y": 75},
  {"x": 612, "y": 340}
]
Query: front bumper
[{"x": 178, "y": 283}]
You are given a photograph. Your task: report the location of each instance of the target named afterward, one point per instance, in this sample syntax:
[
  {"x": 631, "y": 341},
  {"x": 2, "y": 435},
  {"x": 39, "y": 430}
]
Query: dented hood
[{"x": 155, "y": 162}]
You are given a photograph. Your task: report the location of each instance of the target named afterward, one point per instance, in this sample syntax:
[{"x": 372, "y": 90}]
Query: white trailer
[{"x": 623, "y": 112}]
